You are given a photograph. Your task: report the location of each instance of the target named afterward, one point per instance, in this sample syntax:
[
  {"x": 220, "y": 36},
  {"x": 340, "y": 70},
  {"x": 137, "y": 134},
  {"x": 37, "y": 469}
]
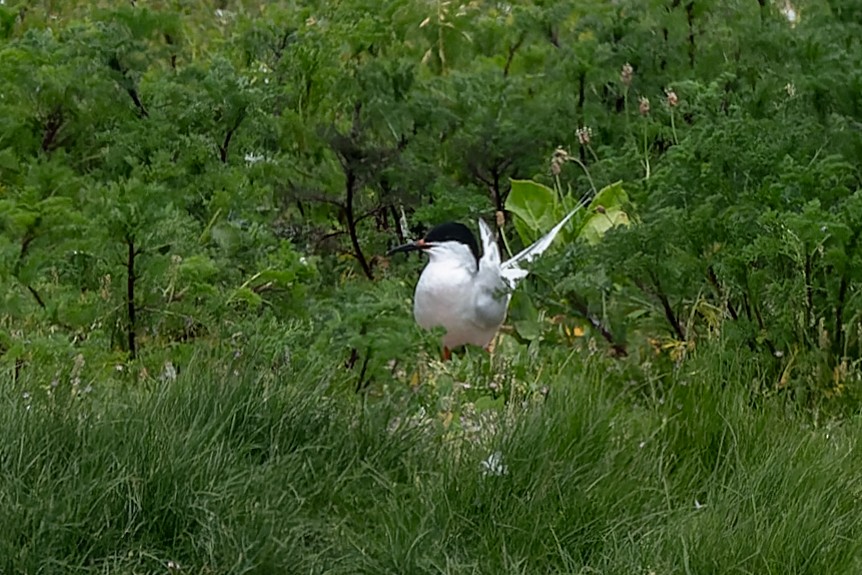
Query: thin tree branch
[
  {"x": 713, "y": 279},
  {"x": 511, "y": 55},
  {"x": 350, "y": 189}
]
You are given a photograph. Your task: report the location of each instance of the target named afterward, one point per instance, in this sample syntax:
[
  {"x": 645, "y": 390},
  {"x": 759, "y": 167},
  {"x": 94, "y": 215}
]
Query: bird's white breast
[{"x": 452, "y": 295}]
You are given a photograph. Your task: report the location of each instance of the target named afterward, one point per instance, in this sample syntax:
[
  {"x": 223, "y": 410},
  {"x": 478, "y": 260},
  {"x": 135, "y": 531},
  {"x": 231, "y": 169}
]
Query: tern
[{"x": 464, "y": 292}]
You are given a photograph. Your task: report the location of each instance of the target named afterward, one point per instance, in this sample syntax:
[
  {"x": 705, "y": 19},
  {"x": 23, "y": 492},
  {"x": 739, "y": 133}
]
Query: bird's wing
[
  {"x": 490, "y": 250},
  {"x": 511, "y": 270}
]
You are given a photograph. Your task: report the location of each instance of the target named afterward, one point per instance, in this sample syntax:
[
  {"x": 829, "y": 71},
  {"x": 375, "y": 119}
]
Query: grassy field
[{"x": 286, "y": 472}]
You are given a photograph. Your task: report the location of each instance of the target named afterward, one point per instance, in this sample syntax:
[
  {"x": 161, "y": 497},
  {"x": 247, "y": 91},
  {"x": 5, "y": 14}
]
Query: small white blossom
[
  {"x": 790, "y": 13},
  {"x": 169, "y": 373},
  {"x": 643, "y": 106},
  {"x": 560, "y": 157},
  {"x": 493, "y": 465},
  {"x": 626, "y": 74}
]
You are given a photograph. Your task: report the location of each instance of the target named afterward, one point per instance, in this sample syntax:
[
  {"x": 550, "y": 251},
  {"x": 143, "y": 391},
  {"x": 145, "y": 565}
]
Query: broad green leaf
[
  {"x": 524, "y": 316},
  {"x": 611, "y": 196},
  {"x": 283, "y": 277},
  {"x": 598, "y": 223},
  {"x": 535, "y": 204},
  {"x": 605, "y": 212}
]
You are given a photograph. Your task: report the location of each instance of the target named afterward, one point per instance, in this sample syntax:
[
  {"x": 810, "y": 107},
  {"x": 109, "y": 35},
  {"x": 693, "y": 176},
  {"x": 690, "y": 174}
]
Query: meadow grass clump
[{"x": 266, "y": 472}]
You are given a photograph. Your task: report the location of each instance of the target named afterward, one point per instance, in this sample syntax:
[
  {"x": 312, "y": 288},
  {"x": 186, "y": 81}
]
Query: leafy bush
[{"x": 245, "y": 161}]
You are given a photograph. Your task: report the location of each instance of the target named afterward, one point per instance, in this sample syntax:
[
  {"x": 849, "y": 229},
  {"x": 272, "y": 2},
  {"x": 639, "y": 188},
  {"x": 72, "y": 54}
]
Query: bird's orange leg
[{"x": 447, "y": 353}]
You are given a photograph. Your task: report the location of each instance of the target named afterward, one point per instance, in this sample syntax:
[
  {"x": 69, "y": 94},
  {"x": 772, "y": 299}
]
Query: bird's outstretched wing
[
  {"x": 511, "y": 270},
  {"x": 490, "y": 251}
]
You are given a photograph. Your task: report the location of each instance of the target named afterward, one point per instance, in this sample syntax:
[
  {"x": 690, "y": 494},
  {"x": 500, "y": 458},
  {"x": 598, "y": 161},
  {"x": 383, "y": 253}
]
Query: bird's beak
[{"x": 409, "y": 247}]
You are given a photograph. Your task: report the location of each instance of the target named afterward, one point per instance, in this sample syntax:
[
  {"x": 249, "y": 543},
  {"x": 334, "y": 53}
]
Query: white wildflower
[
  {"x": 626, "y": 74},
  {"x": 643, "y": 106},
  {"x": 493, "y": 465},
  {"x": 790, "y": 13},
  {"x": 169, "y": 373},
  {"x": 560, "y": 157}
]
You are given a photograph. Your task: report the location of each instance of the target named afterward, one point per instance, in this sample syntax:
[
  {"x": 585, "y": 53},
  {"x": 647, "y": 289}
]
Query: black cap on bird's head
[{"x": 445, "y": 232}]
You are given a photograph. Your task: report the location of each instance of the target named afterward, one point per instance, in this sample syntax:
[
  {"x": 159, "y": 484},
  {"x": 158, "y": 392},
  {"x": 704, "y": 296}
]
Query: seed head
[
  {"x": 672, "y": 98},
  {"x": 501, "y": 218},
  {"x": 644, "y": 106},
  {"x": 559, "y": 158},
  {"x": 584, "y": 135},
  {"x": 626, "y": 74}
]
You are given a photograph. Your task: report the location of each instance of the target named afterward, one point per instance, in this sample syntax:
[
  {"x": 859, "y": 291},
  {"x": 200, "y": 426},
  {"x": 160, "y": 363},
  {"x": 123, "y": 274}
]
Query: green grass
[{"x": 290, "y": 473}]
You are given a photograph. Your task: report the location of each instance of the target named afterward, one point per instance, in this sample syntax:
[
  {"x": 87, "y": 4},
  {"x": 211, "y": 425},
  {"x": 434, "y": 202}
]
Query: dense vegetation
[{"x": 209, "y": 364}]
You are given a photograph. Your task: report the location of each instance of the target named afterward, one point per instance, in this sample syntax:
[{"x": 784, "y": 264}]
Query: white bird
[{"x": 463, "y": 292}]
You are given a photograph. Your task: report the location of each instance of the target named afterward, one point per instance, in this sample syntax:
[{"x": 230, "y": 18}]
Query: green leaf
[
  {"x": 524, "y": 316},
  {"x": 247, "y": 295},
  {"x": 606, "y": 212},
  {"x": 535, "y": 205},
  {"x": 598, "y": 223},
  {"x": 283, "y": 277},
  {"x": 611, "y": 196}
]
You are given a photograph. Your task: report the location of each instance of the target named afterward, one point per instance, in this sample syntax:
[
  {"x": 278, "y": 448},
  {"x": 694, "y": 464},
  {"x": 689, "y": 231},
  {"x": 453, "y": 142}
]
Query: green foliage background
[{"x": 170, "y": 172}]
